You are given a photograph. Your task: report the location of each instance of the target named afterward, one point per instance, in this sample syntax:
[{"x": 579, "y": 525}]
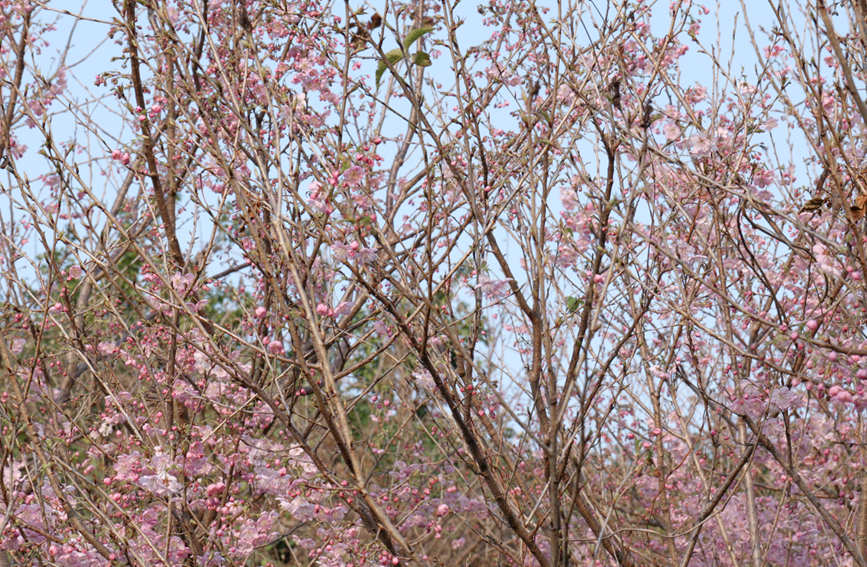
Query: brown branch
[{"x": 166, "y": 215}]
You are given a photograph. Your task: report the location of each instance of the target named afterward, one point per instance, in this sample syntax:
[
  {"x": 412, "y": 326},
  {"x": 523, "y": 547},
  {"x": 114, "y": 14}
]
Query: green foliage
[
  {"x": 573, "y": 303},
  {"x": 359, "y": 418},
  {"x": 421, "y": 59},
  {"x": 415, "y": 35},
  {"x": 392, "y": 57},
  {"x": 281, "y": 550}
]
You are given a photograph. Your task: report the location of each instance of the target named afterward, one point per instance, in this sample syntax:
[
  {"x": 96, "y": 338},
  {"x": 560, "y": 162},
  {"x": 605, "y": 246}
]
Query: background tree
[{"x": 297, "y": 283}]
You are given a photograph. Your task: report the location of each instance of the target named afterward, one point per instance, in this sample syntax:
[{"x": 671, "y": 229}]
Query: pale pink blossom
[{"x": 671, "y": 131}]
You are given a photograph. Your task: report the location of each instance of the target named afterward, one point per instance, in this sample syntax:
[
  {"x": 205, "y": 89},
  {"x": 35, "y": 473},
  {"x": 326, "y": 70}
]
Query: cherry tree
[{"x": 424, "y": 283}]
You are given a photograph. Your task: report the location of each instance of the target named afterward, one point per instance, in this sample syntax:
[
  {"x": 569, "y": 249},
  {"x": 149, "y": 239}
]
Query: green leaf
[
  {"x": 392, "y": 57},
  {"x": 421, "y": 59},
  {"x": 415, "y": 35}
]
